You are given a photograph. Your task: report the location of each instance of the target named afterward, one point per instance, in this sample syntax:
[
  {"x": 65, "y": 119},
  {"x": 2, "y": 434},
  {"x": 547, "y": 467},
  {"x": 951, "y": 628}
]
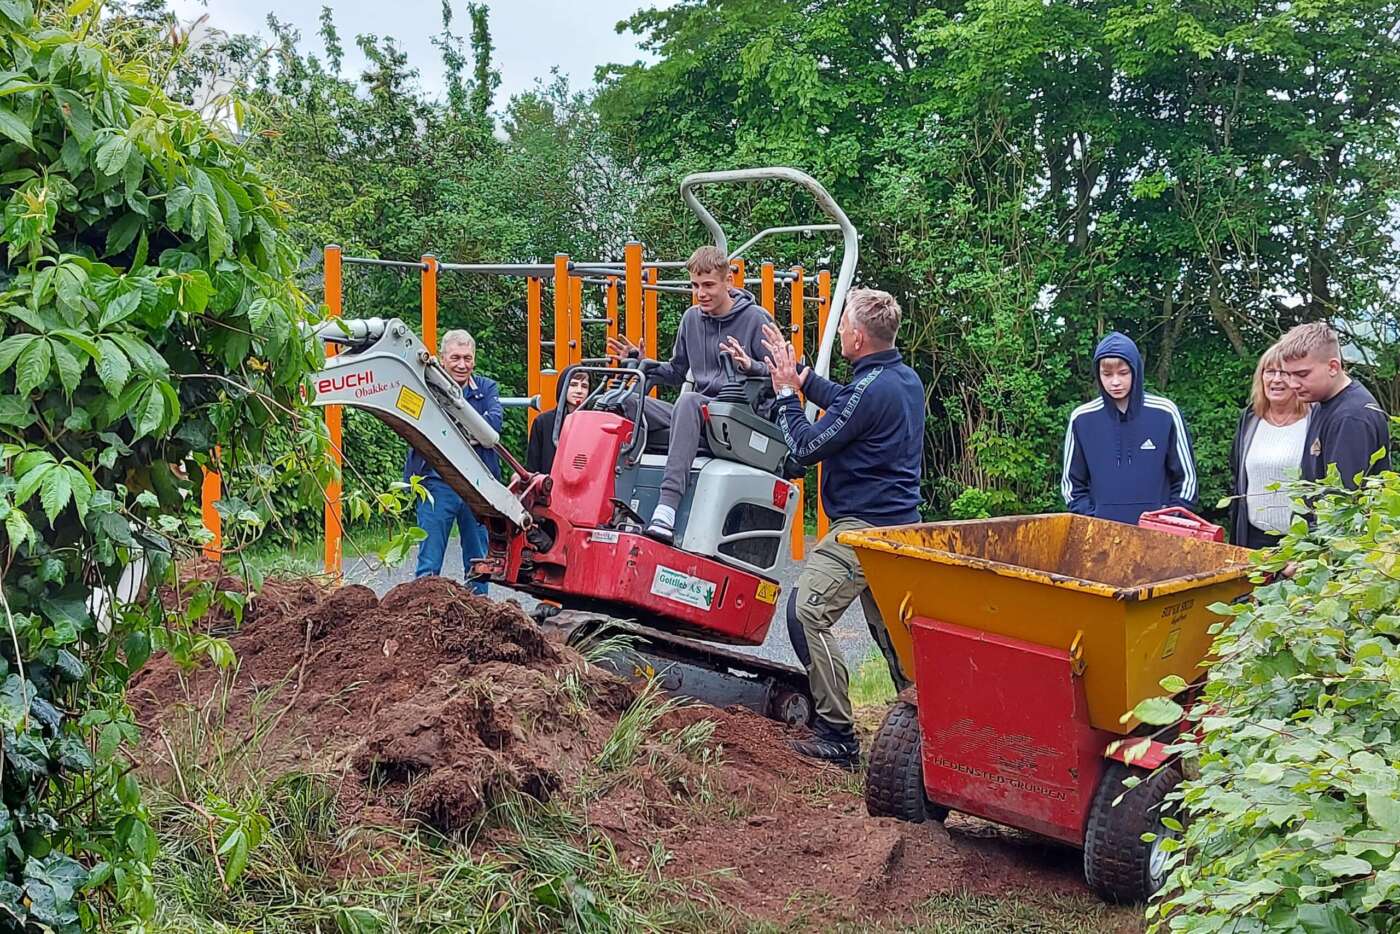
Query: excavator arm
[{"x": 385, "y": 369}]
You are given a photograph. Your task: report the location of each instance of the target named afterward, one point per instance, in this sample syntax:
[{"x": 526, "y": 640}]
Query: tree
[{"x": 149, "y": 322}]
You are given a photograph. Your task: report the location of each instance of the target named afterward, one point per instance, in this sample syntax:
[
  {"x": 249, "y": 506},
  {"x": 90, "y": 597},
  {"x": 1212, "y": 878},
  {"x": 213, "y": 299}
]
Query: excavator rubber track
[{"x": 703, "y": 671}]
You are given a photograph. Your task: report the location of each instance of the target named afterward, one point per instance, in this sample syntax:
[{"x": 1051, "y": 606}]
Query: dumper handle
[{"x": 1178, "y": 520}]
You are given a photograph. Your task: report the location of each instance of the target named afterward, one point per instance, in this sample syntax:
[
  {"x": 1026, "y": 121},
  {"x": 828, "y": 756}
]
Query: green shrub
[{"x": 1294, "y": 820}]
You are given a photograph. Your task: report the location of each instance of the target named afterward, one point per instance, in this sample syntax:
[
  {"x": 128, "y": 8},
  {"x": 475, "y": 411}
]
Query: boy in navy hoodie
[{"x": 1126, "y": 452}]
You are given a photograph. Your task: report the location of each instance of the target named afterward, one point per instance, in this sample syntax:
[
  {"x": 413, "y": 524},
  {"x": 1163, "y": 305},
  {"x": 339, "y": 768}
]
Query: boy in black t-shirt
[{"x": 1348, "y": 426}]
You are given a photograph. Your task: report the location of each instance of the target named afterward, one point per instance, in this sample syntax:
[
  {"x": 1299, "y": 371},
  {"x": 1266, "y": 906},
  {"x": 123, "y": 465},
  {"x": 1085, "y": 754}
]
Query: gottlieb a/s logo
[{"x": 1014, "y": 752}]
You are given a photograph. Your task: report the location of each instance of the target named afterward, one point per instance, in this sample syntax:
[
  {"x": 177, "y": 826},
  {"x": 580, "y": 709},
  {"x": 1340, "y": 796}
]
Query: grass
[
  {"x": 871, "y": 685},
  {"x": 544, "y": 868},
  {"x": 305, "y": 556}
]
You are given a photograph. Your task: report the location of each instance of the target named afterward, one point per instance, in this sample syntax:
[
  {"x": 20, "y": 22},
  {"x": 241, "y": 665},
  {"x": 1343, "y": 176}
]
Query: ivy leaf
[
  {"x": 149, "y": 413},
  {"x": 50, "y": 885},
  {"x": 57, "y": 491},
  {"x": 124, "y": 231},
  {"x": 16, "y": 128},
  {"x": 33, "y": 366},
  {"x": 1344, "y": 865},
  {"x": 112, "y": 366},
  {"x": 1384, "y": 810},
  {"x": 70, "y": 368},
  {"x": 12, "y": 346},
  {"x": 1156, "y": 711},
  {"x": 16, "y": 412},
  {"x": 119, "y": 308},
  {"x": 113, "y": 154},
  {"x": 14, "y": 702}
]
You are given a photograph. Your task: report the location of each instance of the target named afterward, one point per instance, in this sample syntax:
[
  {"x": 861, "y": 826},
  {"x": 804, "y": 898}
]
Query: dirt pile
[{"x": 431, "y": 703}]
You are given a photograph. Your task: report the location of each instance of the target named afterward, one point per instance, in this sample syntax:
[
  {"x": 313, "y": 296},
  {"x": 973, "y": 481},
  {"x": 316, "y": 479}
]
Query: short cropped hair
[
  {"x": 458, "y": 336},
  {"x": 1316, "y": 339},
  {"x": 876, "y": 312},
  {"x": 708, "y": 258}
]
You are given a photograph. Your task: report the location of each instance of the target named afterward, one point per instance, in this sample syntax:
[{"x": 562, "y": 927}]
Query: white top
[{"x": 1275, "y": 455}]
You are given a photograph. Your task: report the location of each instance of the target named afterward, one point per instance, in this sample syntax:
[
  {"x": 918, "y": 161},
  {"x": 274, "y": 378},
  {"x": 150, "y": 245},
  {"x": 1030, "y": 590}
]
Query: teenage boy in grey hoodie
[{"x": 722, "y": 318}]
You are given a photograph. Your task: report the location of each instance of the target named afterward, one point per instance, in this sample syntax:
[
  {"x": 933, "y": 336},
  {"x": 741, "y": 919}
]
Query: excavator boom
[{"x": 387, "y": 370}]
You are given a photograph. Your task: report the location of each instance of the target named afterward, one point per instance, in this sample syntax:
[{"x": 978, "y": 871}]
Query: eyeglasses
[{"x": 1270, "y": 375}]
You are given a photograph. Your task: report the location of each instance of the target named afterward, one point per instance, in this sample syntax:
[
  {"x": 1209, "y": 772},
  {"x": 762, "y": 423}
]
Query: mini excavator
[{"x": 572, "y": 538}]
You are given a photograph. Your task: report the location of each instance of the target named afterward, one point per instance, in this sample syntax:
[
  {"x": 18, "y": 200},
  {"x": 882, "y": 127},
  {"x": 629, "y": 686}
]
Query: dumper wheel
[
  {"x": 1118, "y": 865},
  {"x": 894, "y": 782}
]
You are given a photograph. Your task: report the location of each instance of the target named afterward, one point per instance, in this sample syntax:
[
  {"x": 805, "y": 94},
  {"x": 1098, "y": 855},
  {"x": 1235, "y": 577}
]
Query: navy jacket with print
[
  {"x": 870, "y": 441},
  {"x": 1118, "y": 465}
]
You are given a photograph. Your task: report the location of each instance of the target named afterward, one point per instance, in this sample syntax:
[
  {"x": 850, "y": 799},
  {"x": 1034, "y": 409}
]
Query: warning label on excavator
[
  {"x": 676, "y": 585},
  {"x": 767, "y": 592},
  {"x": 409, "y": 402}
]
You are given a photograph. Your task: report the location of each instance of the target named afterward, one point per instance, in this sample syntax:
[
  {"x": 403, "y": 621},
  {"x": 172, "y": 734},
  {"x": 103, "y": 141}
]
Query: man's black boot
[{"x": 831, "y": 744}]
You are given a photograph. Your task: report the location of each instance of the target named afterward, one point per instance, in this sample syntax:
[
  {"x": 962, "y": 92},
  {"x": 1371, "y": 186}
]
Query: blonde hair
[
  {"x": 1310, "y": 340},
  {"x": 708, "y": 258},
  {"x": 876, "y": 312},
  {"x": 1271, "y": 359}
]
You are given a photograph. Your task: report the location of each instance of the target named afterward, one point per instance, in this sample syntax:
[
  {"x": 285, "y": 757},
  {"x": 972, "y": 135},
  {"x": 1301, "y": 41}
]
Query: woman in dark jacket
[
  {"x": 1268, "y": 449},
  {"x": 539, "y": 451}
]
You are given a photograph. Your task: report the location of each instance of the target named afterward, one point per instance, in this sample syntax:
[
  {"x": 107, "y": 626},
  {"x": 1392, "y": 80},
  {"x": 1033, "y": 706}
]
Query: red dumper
[{"x": 1029, "y": 638}]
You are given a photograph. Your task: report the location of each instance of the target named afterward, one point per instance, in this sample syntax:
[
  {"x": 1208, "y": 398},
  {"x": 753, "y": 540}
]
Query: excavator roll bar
[{"x": 850, "y": 241}]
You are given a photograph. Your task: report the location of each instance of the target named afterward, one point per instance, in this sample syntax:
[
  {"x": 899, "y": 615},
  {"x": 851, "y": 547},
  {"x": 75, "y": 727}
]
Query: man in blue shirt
[
  {"x": 870, "y": 443},
  {"x": 436, "y": 517}
]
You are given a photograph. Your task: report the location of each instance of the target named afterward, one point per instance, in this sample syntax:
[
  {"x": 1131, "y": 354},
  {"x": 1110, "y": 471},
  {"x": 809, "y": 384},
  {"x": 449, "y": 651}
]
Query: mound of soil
[{"x": 432, "y": 702}]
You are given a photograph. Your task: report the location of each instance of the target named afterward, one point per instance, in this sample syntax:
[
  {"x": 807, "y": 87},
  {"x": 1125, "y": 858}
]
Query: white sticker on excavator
[
  {"x": 674, "y": 585},
  {"x": 604, "y": 536}
]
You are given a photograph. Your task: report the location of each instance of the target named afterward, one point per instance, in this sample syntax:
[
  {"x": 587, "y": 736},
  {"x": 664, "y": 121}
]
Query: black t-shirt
[{"x": 1347, "y": 430}]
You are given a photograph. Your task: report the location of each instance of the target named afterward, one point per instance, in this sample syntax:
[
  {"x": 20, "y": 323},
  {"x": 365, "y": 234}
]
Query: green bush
[
  {"x": 147, "y": 319},
  {"x": 1294, "y": 821}
]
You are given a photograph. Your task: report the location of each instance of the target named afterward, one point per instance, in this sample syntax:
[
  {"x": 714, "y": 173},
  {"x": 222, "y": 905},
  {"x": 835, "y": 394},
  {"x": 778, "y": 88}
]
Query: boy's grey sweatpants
[{"x": 687, "y": 440}]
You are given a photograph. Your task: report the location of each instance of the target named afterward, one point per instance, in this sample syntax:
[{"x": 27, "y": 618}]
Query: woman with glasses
[{"x": 1268, "y": 449}]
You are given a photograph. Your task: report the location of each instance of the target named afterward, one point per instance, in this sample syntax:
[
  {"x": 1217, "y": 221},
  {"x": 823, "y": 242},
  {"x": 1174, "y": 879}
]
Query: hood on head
[{"x": 1120, "y": 345}]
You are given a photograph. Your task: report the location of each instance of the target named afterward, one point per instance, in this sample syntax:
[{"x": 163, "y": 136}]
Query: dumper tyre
[
  {"x": 894, "y": 782},
  {"x": 1118, "y": 865}
]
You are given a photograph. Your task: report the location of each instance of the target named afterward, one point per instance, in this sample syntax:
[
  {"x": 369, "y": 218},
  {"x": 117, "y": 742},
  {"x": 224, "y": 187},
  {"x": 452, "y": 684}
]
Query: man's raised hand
[{"x": 782, "y": 362}]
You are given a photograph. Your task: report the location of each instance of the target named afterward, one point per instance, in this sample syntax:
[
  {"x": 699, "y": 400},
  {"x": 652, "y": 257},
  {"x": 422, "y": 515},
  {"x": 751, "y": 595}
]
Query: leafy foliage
[
  {"x": 148, "y": 328},
  {"x": 1027, "y": 175},
  {"x": 1293, "y": 820}
]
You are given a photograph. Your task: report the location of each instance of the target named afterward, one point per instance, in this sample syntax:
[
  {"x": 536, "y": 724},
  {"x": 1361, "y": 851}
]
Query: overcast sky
[{"x": 531, "y": 36}]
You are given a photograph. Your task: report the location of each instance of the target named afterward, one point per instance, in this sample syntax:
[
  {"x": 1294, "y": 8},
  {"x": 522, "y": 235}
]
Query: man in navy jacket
[
  {"x": 446, "y": 509},
  {"x": 870, "y": 443},
  {"x": 1128, "y": 451}
]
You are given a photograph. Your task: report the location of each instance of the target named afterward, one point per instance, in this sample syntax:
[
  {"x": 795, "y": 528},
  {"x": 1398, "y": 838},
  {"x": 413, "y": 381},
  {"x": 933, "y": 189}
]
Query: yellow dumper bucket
[{"x": 1129, "y": 602}]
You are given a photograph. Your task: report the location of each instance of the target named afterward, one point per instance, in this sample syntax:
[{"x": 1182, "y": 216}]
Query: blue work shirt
[{"x": 484, "y": 395}]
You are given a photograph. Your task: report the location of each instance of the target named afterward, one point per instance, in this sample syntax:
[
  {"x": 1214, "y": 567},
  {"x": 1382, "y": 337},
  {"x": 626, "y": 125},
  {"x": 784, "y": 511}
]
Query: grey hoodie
[{"x": 698, "y": 342}]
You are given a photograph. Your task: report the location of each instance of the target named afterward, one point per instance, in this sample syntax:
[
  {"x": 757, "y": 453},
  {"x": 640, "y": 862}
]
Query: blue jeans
[{"x": 437, "y": 518}]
